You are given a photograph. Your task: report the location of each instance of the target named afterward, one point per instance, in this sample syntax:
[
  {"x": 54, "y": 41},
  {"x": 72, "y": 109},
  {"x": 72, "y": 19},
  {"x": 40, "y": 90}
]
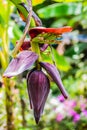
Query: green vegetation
[{"x": 70, "y": 57}]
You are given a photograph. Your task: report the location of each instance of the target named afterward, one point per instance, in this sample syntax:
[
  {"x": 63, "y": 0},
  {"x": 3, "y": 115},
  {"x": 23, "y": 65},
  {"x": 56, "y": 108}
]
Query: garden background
[{"x": 71, "y": 60}]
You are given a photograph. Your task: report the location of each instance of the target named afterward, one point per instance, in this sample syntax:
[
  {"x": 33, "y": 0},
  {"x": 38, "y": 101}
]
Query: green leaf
[
  {"x": 3, "y": 59},
  {"x": 59, "y": 22},
  {"x": 2, "y": 22},
  {"x": 60, "y": 10},
  {"x": 75, "y": 19},
  {"x": 20, "y": 7},
  {"x": 60, "y": 61},
  {"x": 68, "y": 0},
  {"x": 17, "y": 32},
  {"x": 23, "y": 10},
  {"x": 16, "y": 2},
  {"x": 46, "y": 56},
  {"x": 76, "y": 49},
  {"x": 85, "y": 3}
]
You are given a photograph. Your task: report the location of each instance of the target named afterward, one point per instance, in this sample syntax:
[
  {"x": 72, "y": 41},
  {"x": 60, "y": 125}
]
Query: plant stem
[
  {"x": 8, "y": 87},
  {"x": 17, "y": 47},
  {"x": 23, "y": 106},
  {"x": 53, "y": 59},
  {"x": 36, "y": 49},
  {"x": 9, "y": 104}
]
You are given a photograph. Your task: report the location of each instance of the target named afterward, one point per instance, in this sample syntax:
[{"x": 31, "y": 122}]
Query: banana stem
[
  {"x": 36, "y": 49},
  {"x": 17, "y": 47}
]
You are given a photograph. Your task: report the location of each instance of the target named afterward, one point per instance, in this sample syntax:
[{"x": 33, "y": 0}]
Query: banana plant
[{"x": 39, "y": 37}]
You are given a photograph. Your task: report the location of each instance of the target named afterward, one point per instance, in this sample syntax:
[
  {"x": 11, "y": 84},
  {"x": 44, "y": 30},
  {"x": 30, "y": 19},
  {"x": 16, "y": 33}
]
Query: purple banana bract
[
  {"x": 53, "y": 72},
  {"x": 38, "y": 88}
]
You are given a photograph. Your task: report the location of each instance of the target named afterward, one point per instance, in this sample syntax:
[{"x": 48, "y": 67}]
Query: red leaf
[{"x": 37, "y": 30}]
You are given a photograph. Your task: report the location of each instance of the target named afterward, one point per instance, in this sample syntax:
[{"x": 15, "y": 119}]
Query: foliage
[{"x": 72, "y": 61}]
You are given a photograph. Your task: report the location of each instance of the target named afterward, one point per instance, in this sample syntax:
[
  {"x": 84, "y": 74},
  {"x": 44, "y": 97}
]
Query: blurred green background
[{"x": 71, "y": 60}]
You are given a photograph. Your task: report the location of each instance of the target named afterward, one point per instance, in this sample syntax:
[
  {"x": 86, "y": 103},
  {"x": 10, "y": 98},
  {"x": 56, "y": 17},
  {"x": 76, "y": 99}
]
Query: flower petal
[
  {"x": 21, "y": 63},
  {"x": 37, "y": 30},
  {"x": 53, "y": 72}
]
